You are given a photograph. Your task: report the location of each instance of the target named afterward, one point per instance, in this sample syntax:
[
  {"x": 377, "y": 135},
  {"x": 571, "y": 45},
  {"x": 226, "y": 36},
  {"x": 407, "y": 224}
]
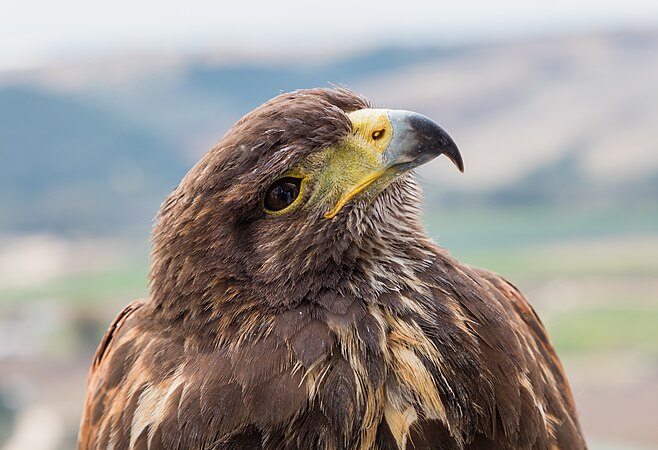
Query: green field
[
  {"x": 127, "y": 280},
  {"x": 607, "y": 329},
  {"x": 542, "y": 243}
]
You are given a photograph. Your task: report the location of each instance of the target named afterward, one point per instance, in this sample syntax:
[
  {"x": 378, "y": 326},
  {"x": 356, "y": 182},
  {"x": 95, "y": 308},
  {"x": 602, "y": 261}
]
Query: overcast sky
[{"x": 34, "y": 32}]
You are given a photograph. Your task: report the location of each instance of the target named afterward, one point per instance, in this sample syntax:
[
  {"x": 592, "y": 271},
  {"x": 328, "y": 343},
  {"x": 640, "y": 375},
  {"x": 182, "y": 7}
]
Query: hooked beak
[{"x": 416, "y": 140}]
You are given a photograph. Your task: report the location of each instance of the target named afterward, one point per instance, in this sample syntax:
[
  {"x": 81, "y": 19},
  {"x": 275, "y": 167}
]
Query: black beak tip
[
  {"x": 430, "y": 133},
  {"x": 456, "y": 158}
]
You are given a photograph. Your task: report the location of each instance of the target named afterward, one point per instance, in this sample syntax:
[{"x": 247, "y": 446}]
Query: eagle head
[{"x": 292, "y": 197}]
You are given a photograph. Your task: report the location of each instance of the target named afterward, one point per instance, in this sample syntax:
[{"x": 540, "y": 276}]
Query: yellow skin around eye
[{"x": 361, "y": 163}]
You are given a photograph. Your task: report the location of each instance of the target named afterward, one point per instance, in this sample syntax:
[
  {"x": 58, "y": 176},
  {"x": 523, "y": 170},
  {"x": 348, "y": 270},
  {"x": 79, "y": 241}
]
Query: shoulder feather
[{"x": 95, "y": 390}]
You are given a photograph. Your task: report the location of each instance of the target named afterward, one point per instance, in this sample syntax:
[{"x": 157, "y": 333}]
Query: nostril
[{"x": 378, "y": 134}]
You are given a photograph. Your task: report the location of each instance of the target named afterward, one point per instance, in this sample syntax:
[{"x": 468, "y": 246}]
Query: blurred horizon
[
  {"x": 74, "y": 30},
  {"x": 555, "y": 111}
]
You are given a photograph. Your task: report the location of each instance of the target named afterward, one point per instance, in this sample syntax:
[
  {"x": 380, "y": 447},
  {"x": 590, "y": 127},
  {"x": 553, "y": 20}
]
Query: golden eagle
[{"x": 296, "y": 303}]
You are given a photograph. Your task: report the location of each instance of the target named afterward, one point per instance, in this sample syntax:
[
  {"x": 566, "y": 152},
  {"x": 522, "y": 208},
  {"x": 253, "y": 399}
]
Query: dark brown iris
[{"x": 282, "y": 193}]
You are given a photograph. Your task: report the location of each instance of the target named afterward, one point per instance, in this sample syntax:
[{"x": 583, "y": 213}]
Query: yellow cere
[
  {"x": 374, "y": 126},
  {"x": 359, "y": 162}
]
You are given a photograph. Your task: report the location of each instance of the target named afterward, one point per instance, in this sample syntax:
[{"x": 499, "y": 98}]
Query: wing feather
[
  {"x": 554, "y": 393},
  {"x": 91, "y": 426}
]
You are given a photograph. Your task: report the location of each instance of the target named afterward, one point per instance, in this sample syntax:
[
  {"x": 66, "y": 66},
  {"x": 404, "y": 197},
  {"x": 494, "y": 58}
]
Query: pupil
[{"x": 285, "y": 193}]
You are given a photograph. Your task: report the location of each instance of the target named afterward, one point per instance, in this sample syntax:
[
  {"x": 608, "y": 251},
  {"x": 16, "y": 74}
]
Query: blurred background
[{"x": 104, "y": 107}]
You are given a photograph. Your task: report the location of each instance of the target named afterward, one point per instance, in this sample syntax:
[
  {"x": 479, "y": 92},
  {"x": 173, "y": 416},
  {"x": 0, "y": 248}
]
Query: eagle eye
[{"x": 282, "y": 193}]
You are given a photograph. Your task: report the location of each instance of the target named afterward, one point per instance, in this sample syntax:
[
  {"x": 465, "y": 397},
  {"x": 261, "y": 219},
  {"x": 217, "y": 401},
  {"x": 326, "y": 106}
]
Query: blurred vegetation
[
  {"x": 608, "y": 329},
  {"x": 77, "y": 289}
]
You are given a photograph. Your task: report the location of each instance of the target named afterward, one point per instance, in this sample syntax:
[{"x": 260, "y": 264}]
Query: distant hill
[
  {"x": 95, "y": 148},
  {"x": 69, "y": 166}
]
